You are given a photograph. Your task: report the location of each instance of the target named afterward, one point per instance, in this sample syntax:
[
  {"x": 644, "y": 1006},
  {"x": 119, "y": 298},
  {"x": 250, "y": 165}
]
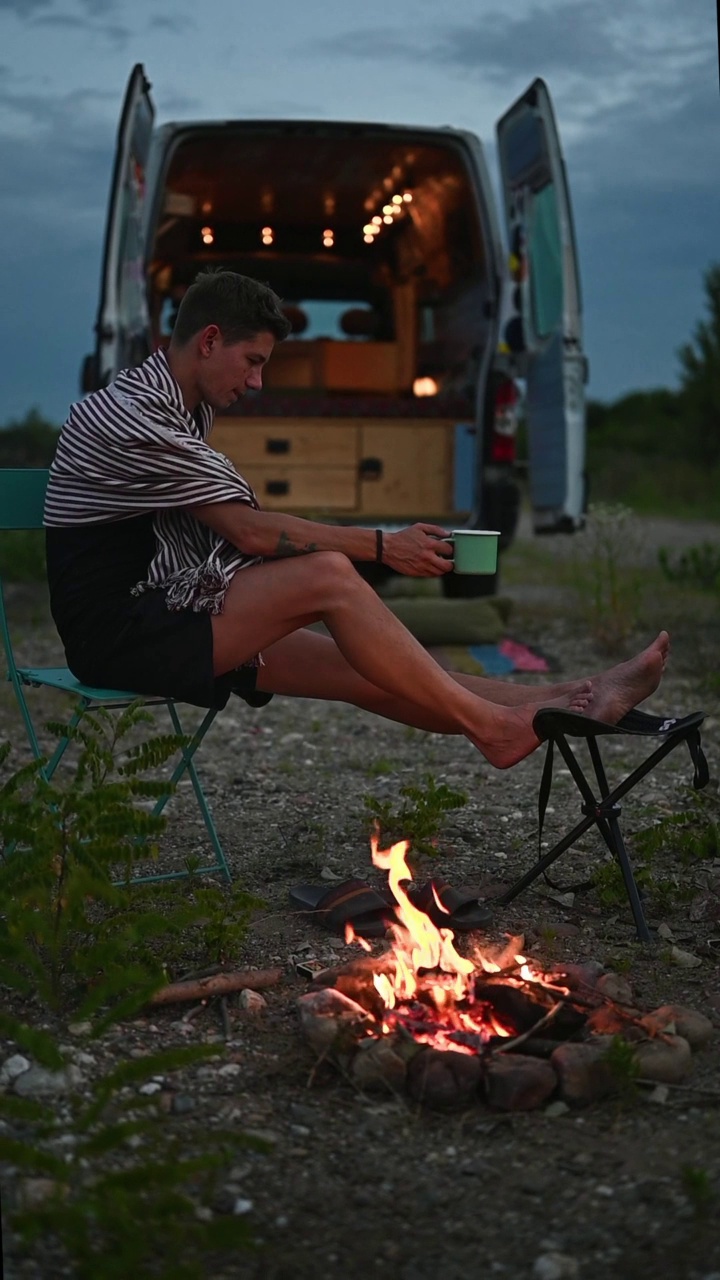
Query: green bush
[{"x": 30, "y": 442}]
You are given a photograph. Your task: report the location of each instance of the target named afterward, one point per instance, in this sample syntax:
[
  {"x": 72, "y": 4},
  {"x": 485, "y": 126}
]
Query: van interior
[
  {"x": 373, "y": 238},
  {"x": 376, "y": 240}
]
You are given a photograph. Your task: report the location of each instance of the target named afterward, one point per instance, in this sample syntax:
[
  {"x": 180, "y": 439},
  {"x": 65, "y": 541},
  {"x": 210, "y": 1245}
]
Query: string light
[
  {"x": 208, "y": 235},
  {"x": 268, "y": 235},
  {"x": 328, "y": 237}
]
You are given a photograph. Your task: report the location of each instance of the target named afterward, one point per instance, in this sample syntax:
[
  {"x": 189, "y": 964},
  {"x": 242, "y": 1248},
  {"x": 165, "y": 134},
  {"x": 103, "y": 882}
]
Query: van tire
[{"x": 457, "y": 586}]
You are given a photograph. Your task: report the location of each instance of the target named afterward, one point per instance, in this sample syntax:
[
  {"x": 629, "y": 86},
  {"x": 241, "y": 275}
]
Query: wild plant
[
  {"x": 419, "y": 818},
  {"x": 73, "y": 929},
  {"x": 606, "y": 575},
  {"x": 122, "y": 1197}
]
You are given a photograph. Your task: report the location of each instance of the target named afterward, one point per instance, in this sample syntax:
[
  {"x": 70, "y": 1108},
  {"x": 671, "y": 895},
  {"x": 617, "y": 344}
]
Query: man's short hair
[{"x": 240, "y": 307}]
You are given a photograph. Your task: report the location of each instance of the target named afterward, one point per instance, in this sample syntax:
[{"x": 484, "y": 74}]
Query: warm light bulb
[
  {"x": 208, "y": 236},
  {"x": 397, "y": 199},
  {"x": 377, "y": 220},
  {"x": 369, "y": 239},
  {"x": 425, "y": 387},
  {"x": 388, "y": 218},
  {"x": 407, "y": 196},
  {"x": 387, "y": 208}
]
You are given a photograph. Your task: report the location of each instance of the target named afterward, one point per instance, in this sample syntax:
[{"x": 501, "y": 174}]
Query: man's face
[{"x": 228, "y": 370}]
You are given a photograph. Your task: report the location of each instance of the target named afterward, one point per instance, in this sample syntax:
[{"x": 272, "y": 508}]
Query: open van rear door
[
  {"x": 123, "y": 328},
  {"x": 544, "y": 333}
]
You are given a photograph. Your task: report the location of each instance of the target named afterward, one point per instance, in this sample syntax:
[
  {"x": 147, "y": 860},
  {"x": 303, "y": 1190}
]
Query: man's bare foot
[
  {"x": 511, "y": 736},
  {"x": 618, "y": 690}
]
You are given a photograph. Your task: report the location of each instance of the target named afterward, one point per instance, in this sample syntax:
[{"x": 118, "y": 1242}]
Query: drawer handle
[
  {"x": 370, "y": 468},
  {"x": 277, "y": 446},
  {"x": 277, "y": 488}
]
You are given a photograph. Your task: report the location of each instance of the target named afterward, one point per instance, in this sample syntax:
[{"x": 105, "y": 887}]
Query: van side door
[
  {"x": 544, "y": 329},
  {"x": 122, "y": 326}
]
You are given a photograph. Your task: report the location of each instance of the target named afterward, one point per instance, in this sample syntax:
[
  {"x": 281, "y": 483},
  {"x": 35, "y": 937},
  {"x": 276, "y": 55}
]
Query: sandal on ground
[
  {"x": 353, "y": 902},
  {"x": 457, "y": 910}
]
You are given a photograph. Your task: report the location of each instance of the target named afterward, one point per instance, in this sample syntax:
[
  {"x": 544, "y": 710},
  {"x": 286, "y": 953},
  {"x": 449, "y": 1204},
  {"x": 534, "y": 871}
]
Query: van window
[
  {"x": 545, "y": 253},
  {"x": 325, "y": 319}
]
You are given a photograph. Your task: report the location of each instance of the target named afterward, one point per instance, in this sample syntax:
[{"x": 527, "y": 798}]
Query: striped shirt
[{"x": 133, "y": 447}]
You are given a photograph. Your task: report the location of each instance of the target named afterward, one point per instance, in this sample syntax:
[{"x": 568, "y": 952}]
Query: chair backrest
[{"x": 22, "y": 497}]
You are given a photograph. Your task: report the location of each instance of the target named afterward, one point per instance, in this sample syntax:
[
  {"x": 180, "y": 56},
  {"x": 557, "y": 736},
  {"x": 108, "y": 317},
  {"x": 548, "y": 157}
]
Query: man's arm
[{"x": 417, "y": 552}]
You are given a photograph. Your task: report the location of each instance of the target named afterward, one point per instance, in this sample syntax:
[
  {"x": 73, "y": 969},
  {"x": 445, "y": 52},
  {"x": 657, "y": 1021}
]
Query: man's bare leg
[
  {"x": 308, "y": 665},
  {"x": 269, "y": 601}
]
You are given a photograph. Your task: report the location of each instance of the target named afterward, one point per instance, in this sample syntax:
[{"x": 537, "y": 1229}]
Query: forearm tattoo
[{"x": 286, "y": 547}]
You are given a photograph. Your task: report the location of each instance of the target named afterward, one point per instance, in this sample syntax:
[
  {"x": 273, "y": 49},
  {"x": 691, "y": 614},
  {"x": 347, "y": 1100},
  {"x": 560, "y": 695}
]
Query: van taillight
[{"x": 504, "y": 436}]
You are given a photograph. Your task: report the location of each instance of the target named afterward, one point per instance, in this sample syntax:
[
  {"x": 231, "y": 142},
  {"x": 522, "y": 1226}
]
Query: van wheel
[{"x": 460, "y": 586}]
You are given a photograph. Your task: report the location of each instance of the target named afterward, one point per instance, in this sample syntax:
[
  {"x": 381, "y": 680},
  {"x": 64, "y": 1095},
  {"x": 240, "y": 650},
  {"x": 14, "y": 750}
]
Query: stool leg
[{"x": 633, "y": 892}]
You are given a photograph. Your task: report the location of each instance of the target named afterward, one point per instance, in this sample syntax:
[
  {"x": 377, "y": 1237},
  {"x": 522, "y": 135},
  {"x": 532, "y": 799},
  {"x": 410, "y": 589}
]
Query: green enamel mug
[{"x": 476, "y": 550}]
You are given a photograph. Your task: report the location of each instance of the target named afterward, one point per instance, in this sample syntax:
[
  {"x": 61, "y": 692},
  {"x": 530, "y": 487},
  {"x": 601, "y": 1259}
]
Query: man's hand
[{"x": 418, "y": 552}]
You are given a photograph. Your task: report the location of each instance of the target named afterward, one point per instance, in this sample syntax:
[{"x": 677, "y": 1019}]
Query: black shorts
[{"x": 146, "y": 648}]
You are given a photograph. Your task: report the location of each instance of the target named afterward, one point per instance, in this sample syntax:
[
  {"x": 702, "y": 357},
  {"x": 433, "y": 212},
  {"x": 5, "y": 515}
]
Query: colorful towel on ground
[{"x": 500, "y": 659}]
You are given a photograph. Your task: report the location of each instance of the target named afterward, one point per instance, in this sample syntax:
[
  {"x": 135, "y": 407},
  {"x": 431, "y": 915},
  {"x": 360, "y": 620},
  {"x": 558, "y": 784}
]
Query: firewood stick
[
  {"x": 526, "y": 1035},
  {"x": 218, "y": 985}
]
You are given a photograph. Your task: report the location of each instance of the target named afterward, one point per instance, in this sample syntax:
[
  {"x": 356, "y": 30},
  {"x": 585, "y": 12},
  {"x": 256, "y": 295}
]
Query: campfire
[{"x": 449, "y": 1027}]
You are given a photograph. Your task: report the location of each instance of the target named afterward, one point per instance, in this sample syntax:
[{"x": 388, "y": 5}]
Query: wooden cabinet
[
  {"x": 405, "y": 469},
  {"x": 383, "y": 469},
  {"x": 291, "y": 465}
]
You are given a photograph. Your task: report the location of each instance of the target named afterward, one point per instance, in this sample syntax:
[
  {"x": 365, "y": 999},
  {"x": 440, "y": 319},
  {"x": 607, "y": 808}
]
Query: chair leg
[{"x": 186, "y": 765}]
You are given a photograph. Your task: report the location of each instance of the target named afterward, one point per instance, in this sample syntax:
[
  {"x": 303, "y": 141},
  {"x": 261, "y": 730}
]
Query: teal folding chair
[{"x": 22, "y": 501}]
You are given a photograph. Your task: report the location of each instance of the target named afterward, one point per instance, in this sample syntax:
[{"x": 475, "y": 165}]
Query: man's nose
[{"x": 254, "y": 379}]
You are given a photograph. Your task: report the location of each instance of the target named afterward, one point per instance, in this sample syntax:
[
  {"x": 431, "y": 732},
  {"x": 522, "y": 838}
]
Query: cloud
[
  {"x": 86, "y": 15},
  {"x": 594, "y": 53},
  {"x": 111, "y": 31},
  {"x": 174, "y": 23},
  {"x": 24, "y": 8},
  {"x": 28, "y": 8}
]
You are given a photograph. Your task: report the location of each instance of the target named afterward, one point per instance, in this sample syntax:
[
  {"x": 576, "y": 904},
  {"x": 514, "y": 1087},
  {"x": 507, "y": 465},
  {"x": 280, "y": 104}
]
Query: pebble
[
  {"x": 557, "y": 1108},
  {"x": 182, "y": 1103},
  {"x": 40, "y": 1082},
  {"x": 242, "y": 1206},
  {"x": 79, "y": 1028},
  {"x": 555, "y": 1266},
  {"x": 230, "y": 1069},
  {"x": 13, "y": 1067},
  {"x": 684, "y": 959},
  {"x": 150, "y": 1088},
  {"x": 252, "y": 1001}
]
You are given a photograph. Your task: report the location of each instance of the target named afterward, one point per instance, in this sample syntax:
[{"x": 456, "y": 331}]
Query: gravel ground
[{"x": 351, "y": 1185}]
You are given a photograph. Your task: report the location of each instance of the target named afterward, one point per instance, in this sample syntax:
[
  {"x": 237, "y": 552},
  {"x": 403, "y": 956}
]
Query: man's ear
[{"x": 210, "y": 336}]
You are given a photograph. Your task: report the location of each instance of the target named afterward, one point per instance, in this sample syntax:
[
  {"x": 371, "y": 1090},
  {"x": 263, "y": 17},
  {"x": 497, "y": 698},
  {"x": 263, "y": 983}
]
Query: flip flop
[
  {"x": 458, "y": 910},
  {"x": 352, "y": 902}
]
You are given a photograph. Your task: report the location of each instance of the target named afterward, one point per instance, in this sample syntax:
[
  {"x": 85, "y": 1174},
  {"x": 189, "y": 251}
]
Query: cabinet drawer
[
  {"x": 284, "y": 488},
  {"x": 405, "y": 470},
  {"x": 284, "y": 440}
]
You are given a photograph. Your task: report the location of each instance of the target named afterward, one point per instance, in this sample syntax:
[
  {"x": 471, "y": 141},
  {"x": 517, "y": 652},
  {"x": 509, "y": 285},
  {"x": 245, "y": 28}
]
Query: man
[{"x": 166, "y": 577}]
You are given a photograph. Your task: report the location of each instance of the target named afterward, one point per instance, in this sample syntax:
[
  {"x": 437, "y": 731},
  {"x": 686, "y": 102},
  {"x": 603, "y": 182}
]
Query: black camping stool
[{"x": 556, "y": 726}]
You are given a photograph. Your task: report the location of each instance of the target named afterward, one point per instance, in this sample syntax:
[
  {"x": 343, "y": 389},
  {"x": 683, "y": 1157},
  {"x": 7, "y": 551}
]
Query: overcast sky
[{"x": 635, "y": 86}]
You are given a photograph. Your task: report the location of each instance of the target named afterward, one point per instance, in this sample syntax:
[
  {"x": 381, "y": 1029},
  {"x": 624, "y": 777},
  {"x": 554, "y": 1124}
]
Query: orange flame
[{"x": 418, "y": 944}]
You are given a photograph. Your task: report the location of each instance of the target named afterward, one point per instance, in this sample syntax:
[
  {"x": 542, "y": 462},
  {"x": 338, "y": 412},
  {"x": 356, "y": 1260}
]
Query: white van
[{"x": 394, "y": 399}]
